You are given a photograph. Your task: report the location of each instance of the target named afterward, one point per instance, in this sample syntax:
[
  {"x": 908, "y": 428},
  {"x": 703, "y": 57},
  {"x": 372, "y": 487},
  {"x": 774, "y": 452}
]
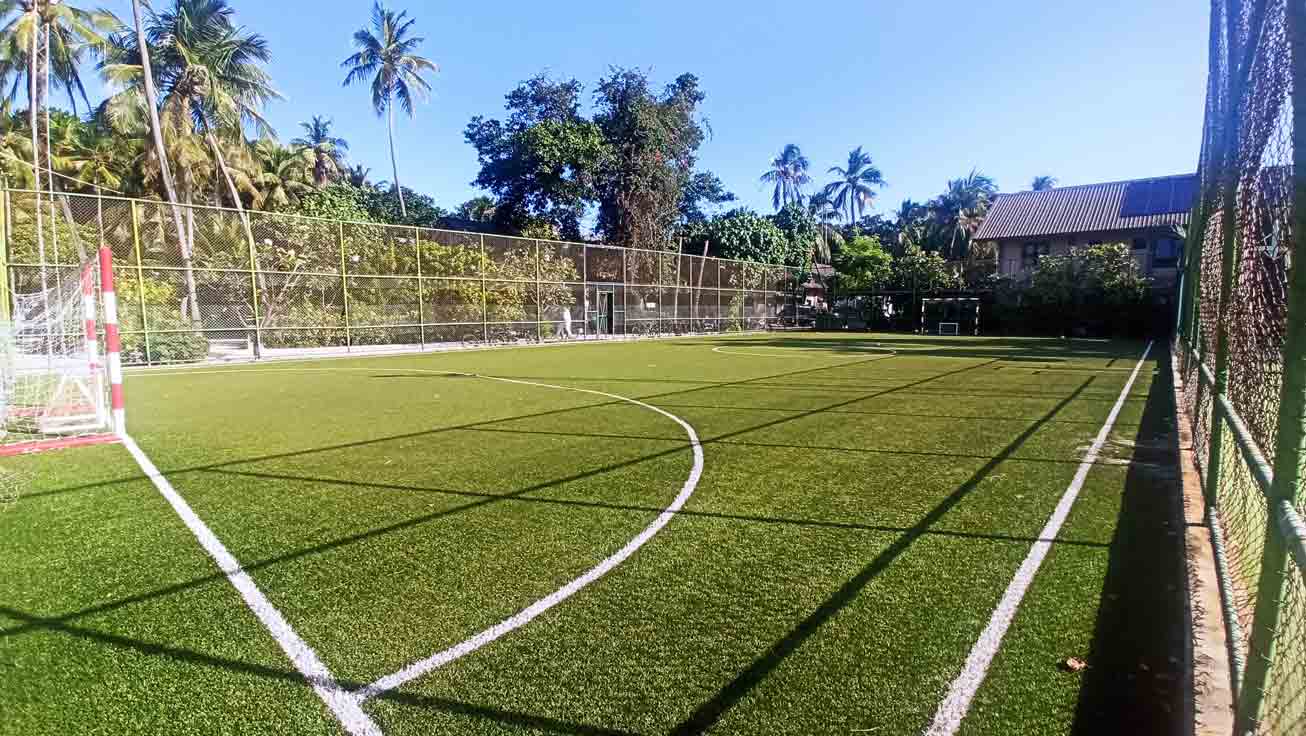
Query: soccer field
[{"x": 771, "y": 534}]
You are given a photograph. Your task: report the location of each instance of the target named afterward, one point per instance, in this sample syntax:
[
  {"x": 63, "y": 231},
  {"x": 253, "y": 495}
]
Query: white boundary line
[
  {"x": 952, "y": 709},
  {"x": 346, "y": 705}
]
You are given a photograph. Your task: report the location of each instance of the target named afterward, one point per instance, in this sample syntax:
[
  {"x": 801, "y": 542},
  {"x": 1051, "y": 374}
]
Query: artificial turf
[{"x": 859, "y": 515}]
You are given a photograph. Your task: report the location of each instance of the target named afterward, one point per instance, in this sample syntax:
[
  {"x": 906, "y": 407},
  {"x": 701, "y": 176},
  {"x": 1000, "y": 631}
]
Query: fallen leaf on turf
[{"x": 1074, "y": 664}]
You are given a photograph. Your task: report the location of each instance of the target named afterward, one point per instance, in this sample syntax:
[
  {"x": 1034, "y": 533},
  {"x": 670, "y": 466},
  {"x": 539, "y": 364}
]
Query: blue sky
[{"x": 1084, "y": 91}]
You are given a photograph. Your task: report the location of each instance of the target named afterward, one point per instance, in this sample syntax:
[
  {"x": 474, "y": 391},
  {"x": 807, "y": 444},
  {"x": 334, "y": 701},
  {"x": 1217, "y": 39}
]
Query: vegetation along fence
[
  {"x": 1242, "y": 350},
  {"x": 265, "y": 283}
]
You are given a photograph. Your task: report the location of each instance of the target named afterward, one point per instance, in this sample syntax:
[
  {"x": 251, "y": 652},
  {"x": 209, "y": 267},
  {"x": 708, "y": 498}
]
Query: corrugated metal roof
[{"x": 1080, "y": 209}]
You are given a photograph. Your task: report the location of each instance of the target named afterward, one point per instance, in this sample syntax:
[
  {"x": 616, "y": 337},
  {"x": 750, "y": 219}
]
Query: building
[{"x": 1151, "y": 215}]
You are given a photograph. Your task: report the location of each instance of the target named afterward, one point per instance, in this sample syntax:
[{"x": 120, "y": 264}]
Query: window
[
  {"x": 1032, "y": 251},
  {"x": 1168, "y": 252}
]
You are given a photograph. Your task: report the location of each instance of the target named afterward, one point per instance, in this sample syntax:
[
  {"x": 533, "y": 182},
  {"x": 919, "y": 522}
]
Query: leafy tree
[
  {"x": 1043, "y": 182},
  {"x": 745, "y": 235},
  {"x": 543, "y": 162},
  {"x": 703, "y": 189},
  {"x": 477, "y": 209},
  {"x": 387, "y": 55},
  {"x": 357, "y": 176},
  {"x": 855, "y": 186},
  {"x": 921, "y": 271},
  {"x": 653, "y": 140},
  {"x": 788, "y": 173},
  {"x": 804, "y": 244},
  {"x": 325, "y": 151},
  {"x": 863, "y": 264}
]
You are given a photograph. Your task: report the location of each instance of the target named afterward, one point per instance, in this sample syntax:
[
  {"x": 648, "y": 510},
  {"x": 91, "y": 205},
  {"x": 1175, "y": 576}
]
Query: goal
[
  {"x": 950, "y": 315},
  {"x": 56, "y": 387}
]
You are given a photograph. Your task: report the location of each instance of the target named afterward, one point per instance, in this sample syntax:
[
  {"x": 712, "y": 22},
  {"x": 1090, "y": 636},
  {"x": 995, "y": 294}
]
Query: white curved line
[{"x": 527, "y": 614}]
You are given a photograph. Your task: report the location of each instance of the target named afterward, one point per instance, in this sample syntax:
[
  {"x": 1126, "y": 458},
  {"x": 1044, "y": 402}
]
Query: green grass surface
[{"x": 858, "y": 517}]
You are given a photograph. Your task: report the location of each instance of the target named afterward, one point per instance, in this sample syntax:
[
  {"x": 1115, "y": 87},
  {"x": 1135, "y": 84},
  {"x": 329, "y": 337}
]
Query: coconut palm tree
[
  {"x": 828, "y": 236},
  {"x": 788, "y": 173},
  {"x": 386, "y": 56},
  {"x": 73, "y": 34},
  {"x": 282, "y": 177},
  {"x": 963, "y": 207},
  {"x": 855, "y": 186},
  {"x": 1043, "y": 182},
  {"x": 325, "y": 151},
  {"x": 357, "y": 176}
]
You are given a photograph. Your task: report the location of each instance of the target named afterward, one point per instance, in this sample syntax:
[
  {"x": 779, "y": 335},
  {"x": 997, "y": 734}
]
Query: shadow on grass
[
  {"x": 191, "y": 657},
  {"x": 1136, "y": 679},
  {"x": 1008, "y": 349},
  {"x": 426, "y": 518},
  {"x": 707, "y": 714}
]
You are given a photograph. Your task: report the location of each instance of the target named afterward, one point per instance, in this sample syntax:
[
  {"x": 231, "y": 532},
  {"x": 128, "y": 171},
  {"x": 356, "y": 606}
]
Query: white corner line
[
  {"x": 952, "y": 709},
  {"x": 343, "y": 706},
  {"x": 526, "y": 615}
]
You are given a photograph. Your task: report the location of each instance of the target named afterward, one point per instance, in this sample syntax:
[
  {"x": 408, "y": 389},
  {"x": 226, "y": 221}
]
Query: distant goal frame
[{"x": 959, "y": 300}]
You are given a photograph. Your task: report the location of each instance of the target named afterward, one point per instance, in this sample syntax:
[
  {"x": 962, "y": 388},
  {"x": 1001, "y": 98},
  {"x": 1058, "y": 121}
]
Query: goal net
[
  {"x": 53, "y": 387},
  {"x": 950, "y": 316}
]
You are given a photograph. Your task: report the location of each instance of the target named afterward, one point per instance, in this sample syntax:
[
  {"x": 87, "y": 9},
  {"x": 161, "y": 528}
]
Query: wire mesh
[
  {"x": 1245, "y": 217},
  {"x": 228, "y": 284}
]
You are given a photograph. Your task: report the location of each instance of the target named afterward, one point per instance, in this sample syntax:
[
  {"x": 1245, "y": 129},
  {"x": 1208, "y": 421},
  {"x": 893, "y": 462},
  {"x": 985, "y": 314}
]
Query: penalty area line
[
  {"x": 347, "y": 709},
  {"x": 956, "y": 703}
]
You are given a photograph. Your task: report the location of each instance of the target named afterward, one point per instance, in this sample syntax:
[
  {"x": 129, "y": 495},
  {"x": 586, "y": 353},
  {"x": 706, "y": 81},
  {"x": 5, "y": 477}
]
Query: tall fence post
[
  {"x": 344, "y": 282},
  {"x": 253, "y": 298},
  {"x": 485, "y": 304},
  {"x": 5, "y": 296},
  {"x": 539, "y": 296},
  {"x": 1290, "y": 443},
  {"x": 421, "y": 300},
  {"x": 140, "y": 281}
]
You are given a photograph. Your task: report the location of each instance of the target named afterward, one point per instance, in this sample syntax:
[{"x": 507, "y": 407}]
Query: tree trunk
[
  {"x": 394, "y": 163},
  {"x": 151, "y": 102}
]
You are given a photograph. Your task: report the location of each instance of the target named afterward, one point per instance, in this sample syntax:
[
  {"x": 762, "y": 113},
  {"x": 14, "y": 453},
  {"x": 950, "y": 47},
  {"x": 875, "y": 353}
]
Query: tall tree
[
  {"x": 962, "y": 209},
  {"x": 1043, "y": 182},
  {"x": 702, "y": 190},
  {"x": 788, "y": 173},
  {"x": 654, "y": 140},
  {"x": 477, "y": 209},
  {"x": 855, "y": 186},
  {"x": 543, "y": 161},
  {"x": 325, "y": 151},
  {"x": 387, "y": 56},
  {"x": 282, "y": 176}
]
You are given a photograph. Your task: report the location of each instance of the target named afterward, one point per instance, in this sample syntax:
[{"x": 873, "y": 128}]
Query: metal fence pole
[
  {"x": 253, "y": 295},
  {"x": 625, "y": 288},
  {"x": 344, "y": 283},
  {"x": 140, "y": 281},
  {"x": 485, "y": 305},
  {"x": 5, "y": 297},
  {"x": 539, "y": 295},
  {"x": 421, "y": 298},
  {"x": 1290, "y": 444}
]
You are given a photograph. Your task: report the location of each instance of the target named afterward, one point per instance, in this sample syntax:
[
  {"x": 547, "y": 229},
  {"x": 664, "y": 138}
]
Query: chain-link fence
[
  {"x": 269, "y": 284},
  {"x": 1242, "y": 352}
]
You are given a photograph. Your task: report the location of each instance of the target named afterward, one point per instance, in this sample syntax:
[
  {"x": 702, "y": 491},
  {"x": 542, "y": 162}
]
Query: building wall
[{"x": 1012, "y": 259}]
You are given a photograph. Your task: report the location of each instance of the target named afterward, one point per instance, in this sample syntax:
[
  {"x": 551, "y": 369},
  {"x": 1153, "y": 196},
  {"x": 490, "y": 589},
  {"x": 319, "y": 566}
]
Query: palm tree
[
  {"x": 854, "y": 188},
  {"x": 325, "y": 151},
  {"x": 962, "y": 208},
  {"x": 1043, "y": 182},
  {"x": 788, "y": 173},
  {"x": 282, "y": 176},
  {"x": 828, "y": 236},
  {"x": 71, "y": 33},
  {"x": 357, "y": 176},
  {"x": 386, "y": 55}
]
